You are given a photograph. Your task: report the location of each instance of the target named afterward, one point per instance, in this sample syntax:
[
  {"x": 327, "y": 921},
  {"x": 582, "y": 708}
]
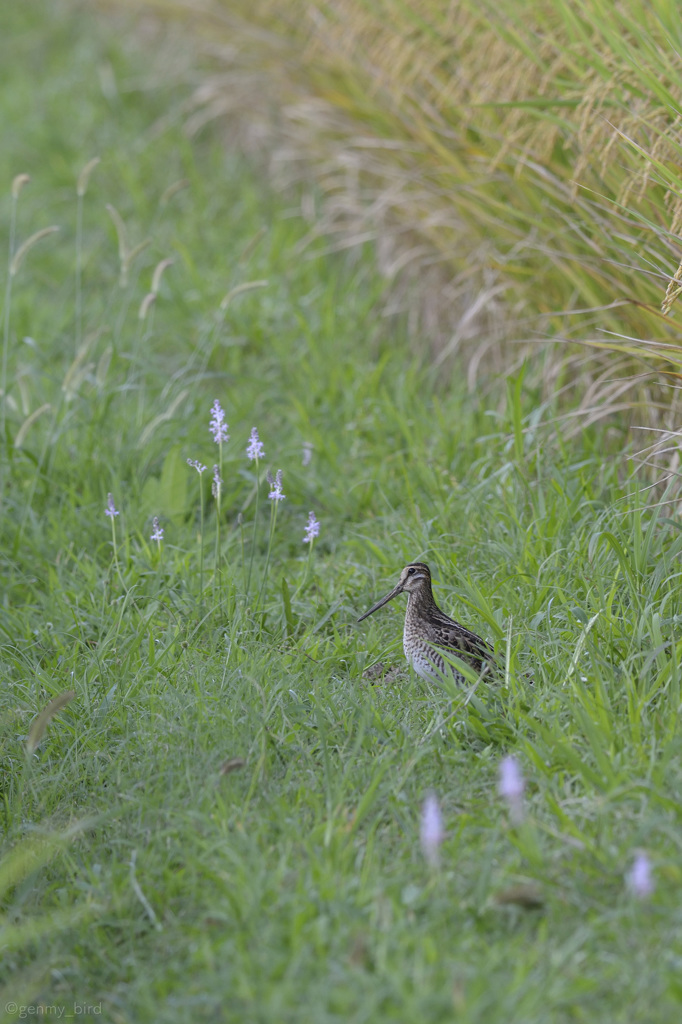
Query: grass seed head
[
  {"x": 27, "y": 246},
  {"x": 84, "y": 176},
  {"x": 158, "y": 273},
  {"x": 146, "y": 304},
  {"x": 672, "y": 292},
  {"x": 40, "y": 724},
  {"x": 172, "y": 190},
  {"x": 18, "y": 183}
]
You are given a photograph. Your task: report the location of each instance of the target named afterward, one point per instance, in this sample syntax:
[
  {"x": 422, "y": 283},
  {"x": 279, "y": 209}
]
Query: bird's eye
[{"x": 411, "y": 571}]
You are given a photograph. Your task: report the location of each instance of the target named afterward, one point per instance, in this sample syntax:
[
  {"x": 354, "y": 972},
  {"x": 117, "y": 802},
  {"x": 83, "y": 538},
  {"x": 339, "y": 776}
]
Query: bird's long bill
[{"x": 380, "y": 604}]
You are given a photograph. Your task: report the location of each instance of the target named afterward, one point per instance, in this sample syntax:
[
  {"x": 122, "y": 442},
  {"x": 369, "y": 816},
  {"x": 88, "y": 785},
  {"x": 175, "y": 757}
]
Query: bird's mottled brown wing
[{"x": 464, "y": 643}]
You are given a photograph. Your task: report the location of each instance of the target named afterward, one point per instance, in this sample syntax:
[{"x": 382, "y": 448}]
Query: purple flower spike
[
  {"x": 218, "y": 426},
  {"x": 639, "y": 879},
  {"x": 511, "y": 786},
  {"x": 254, "y": 449},
  {"x": 195, "y": 464},
  {"x": 110, "y": 510},
  {"x": 312, "y": 529},
  {"x": 276, "y": 494},
  {"x": 431, "y": 832},
  {"x": 157, "y": 533}
]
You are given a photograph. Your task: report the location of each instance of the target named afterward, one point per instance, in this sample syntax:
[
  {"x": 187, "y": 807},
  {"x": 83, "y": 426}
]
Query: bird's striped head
[{"x": 414, "y": 576}]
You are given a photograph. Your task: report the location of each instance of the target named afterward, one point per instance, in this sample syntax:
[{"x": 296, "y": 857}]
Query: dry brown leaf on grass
[
  {"x": 232, "y": 764},
  {"x": 526, "y": 896}
]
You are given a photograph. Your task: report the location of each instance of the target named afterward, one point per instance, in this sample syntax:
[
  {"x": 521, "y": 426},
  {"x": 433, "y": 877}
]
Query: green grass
[{"x": 149, "y": 882}]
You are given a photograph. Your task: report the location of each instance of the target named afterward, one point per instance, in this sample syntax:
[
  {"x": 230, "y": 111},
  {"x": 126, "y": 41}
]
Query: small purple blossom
[
  {"x": 254, "y": 449},
  {"x": 217, "y": 483},
  {"x": 157, "y": 533},
  {"x": 639, "y": 879},
  {"x": 110, "y": 510},
  {"x": 218, "y": 426},
  {"x": 511, "y": 785},
  {"x": 307, "y": 452},
  {"x": 276, "y": 492},
  {"x": 431, "y": 831},
  {"x": 312, "y": 529},
  {"x": 195, "y": 464}
]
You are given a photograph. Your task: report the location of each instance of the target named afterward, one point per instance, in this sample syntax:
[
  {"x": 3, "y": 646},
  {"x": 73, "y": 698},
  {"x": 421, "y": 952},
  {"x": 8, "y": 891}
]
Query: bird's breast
[{"x": 426, "y": 662}]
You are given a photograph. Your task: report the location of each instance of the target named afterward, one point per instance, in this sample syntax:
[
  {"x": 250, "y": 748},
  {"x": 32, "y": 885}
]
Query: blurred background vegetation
[{"x": 516, "y": 164}]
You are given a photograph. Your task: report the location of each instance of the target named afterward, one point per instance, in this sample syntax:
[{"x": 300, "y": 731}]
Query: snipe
[{"x": 427, "y": 628}]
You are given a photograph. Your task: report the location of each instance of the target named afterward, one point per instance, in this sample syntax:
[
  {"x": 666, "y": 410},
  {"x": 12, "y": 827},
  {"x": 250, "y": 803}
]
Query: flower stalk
[
  {"x": 254, "y": 452},
  {"x": 275, "y": 496},
  {"x": 195, "y": 464}
]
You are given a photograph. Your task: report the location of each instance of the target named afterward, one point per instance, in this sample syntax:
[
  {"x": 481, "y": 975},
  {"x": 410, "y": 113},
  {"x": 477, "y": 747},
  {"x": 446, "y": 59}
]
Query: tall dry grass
[{"x": 520, "y": 162}]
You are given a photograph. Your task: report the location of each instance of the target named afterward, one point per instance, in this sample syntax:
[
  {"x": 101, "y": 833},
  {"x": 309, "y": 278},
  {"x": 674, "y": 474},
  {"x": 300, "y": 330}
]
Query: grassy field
[{"x": 223, "y": 823}]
